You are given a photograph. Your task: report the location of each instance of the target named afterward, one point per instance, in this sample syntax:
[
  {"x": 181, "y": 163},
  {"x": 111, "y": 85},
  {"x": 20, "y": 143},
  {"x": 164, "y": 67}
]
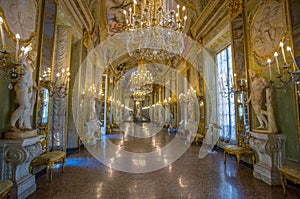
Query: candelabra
[
  {"x": 285, "y": 76},
  {"x": 10, "y": 69},
  {"x": 189, "y": 96},
  {"x": 91, "y": 93},
  {"x": 227, "y": 88},
  {"x": 58, "y": 87},
  {"x": 170, "y": 101}
]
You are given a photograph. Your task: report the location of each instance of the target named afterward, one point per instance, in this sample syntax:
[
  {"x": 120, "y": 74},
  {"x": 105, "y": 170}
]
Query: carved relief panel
[
  {"x": 267, "y": 29},
  {"x": 21, "y": 16}
]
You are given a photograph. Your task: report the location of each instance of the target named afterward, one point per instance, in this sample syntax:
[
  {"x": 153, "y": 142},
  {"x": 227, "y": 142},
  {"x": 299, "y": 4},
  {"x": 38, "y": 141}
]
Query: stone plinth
[
  {"x": 16, "y": 156},
  {"x": 20, "y": 135},
  {"x": 270, "y": 150}
]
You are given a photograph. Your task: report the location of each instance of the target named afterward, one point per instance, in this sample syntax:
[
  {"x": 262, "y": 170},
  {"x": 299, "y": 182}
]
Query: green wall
[{"x": 6, "y": 110}]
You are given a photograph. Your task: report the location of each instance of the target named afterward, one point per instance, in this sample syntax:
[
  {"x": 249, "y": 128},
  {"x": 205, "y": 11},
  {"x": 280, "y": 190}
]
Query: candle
[
  {"x": 184, "y": 22},
  {"x": 154, "y": 11},
  {"x": 289, "y": 49},
  {"x": 270, "y": 69},
  {"x": 125, "y": 13},
  {"x": 234, "y": 76},
  {"x": 134, "y": 4},
  {"x": 23, "y": 49},
  {"x": 130, "y": 10},
  {"x": 2, "y": 33},
  {"x": 183, "y": 11},
  {"x": 282, "y": 50},
  {"x": 17, "y": 45},
  {"x": 277, "y": 64}
]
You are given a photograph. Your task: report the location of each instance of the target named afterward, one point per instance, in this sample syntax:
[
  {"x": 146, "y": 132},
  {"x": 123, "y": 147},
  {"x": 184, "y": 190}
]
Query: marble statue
[
  {"x": 25, "y": 90},
  {"x": 258, "y": 86}
]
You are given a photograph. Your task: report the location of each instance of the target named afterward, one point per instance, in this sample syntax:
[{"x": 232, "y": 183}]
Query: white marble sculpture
[
  {"x": 259, "y": 86},
  {"x": 25, "y": 90}
]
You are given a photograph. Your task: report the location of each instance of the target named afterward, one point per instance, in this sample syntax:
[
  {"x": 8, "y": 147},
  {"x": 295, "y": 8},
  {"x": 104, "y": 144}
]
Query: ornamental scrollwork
[
  {"x": 272, "y": 146},
  {"x": 235, "y": 7},
  {"x": 16, "y": 155}
]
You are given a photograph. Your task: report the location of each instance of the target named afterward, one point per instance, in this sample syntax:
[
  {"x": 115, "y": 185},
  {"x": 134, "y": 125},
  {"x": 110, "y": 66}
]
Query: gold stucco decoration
[{"x": 235, "y": 7}]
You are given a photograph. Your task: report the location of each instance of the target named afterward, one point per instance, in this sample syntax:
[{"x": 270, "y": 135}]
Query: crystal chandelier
[
  {"x": 141, "y": 81},
  {"x": 139, "y": 95},
  {"x": 150, "y": 24}
]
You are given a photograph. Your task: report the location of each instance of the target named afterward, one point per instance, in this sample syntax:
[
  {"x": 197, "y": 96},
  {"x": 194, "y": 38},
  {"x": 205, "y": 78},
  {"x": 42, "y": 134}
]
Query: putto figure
[{"x": 25, "y": 90}]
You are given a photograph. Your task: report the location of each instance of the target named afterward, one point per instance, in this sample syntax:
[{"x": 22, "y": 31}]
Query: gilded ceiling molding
[
  {"x": 80, "y": 13},
  {"x": 235, "y": 7},
  {"x": 209, "y": 14},
  {"x": 85, "y": 13}
]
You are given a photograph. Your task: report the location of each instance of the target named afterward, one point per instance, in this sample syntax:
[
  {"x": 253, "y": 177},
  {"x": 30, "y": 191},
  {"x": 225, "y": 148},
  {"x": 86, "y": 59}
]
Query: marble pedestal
[
  {"x": 16, "y": 156},
  {"x": 270, "y": 150}
]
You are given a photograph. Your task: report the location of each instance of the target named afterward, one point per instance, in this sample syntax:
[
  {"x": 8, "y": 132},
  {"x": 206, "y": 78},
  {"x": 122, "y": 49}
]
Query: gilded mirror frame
[{"x": 9, "y": 30}]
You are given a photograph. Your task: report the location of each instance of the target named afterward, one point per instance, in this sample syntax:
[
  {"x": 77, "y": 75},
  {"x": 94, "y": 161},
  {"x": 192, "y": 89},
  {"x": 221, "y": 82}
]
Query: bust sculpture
[{"x": 25, "y": 90}]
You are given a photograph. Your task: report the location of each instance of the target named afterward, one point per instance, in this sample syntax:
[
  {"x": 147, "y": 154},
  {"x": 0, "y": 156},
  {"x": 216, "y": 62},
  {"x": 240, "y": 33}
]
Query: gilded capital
[{"x": 235, "y": 7}]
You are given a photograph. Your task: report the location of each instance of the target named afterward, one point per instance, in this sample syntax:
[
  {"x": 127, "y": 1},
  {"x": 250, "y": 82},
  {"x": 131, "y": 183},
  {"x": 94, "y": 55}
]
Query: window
[
  {"x": 45, "y": 106},
  {"x": 226, "y": 106}
]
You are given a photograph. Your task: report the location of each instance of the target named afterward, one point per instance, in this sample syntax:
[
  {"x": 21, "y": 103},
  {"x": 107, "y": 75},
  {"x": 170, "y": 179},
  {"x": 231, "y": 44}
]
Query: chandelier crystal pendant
[{"x": 151, "y": 25}]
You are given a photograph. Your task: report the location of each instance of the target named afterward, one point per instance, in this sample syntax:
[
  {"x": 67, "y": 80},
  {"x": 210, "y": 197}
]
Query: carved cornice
[
  {"x": 222, "y": 40},
  {"x": 235, "y": 7},
  {"x": 209, "y": 16},
  {"x": 80, "y": 13},
  {"x": 206, "y": 16},
  {"x": 85, "y": 13}
]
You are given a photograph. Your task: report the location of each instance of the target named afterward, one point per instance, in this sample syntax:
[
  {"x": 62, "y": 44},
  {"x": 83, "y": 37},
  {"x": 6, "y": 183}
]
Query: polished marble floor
[{"x": 188, "y": 177}]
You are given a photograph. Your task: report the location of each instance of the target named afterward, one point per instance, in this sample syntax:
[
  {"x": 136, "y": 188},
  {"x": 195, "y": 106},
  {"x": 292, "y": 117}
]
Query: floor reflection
[
  {"x": 188, "y": 177},
  {"x": 147, "y": 137}
]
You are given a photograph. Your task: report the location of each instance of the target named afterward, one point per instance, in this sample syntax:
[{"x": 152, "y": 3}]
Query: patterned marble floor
[{"x": 188, "y": 177}]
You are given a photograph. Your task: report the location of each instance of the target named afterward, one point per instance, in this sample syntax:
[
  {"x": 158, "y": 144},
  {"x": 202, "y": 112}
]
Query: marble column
[
  {"x": 270, "y": 150},
  {"x": 57, "y": 138},
  {"x": 16, "y": 156}
]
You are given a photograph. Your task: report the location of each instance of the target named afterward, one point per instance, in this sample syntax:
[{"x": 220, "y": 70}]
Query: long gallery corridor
[{"x": 188, "y": 177}]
